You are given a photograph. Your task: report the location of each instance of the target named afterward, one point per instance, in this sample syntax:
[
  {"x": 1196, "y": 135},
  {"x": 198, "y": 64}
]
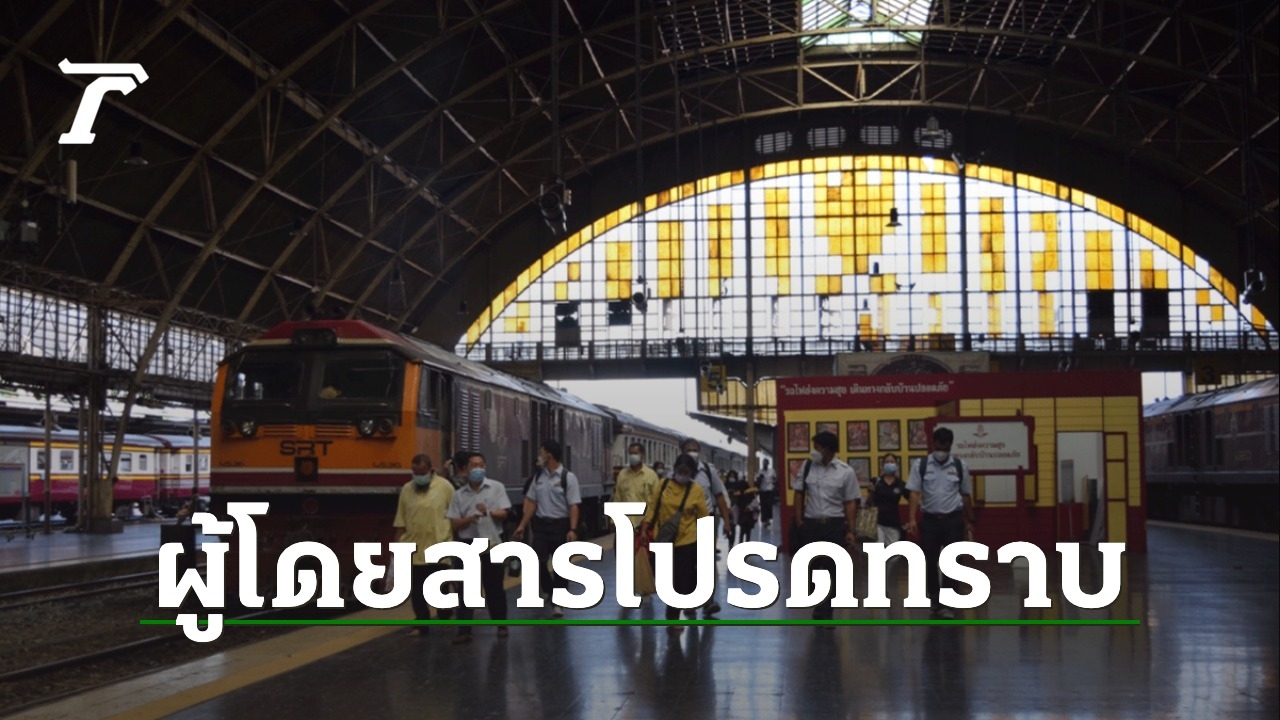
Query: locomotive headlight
[
  {"x": 385, "y": 426},
  {"x": 366, "y": 427},
  {"x": 248, "y": 428},
  {"x": 228, "y": 427}
]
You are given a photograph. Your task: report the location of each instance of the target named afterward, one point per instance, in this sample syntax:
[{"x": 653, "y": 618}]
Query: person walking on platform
[
  {"x": 660, "y": 469},
  {"x": 477, "y": 511},
  {"x": 636, "y": 482},
  {"x": 827, "y": 497},
  {"x": 941, "y": 487},
  {"x": 886, "y": 496},
  {"x": 680, "y": 496},
  {"x": 743, "y": 499},
  {"x": 420, "y": 520},
  {"x": 551, "y": 503},
  {"x": 767, "y": 484},
  {"x": 713, "y": 489},
  {"x": 455, "y": 469}
]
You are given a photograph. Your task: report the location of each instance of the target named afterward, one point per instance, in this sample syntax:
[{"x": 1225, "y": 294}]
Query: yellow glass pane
[{"x": 575, "y": 271}]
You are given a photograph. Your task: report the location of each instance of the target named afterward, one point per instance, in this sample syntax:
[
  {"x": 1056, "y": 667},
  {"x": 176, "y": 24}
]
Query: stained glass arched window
[{"x": 868, "y": 248}]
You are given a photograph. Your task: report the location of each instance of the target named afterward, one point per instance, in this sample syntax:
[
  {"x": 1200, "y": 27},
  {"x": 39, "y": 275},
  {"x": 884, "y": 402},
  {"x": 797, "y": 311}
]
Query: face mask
[
  {"x": 537, "y": 462},
  {"x": 941, "y": 456},
  {"x": 476, "y": 475},
  {"x": 683, "y": 479},
  {"x": 634, "y": 460},
  {"x": 422, "y": 480},
  {"x": 662, "y": 473},
  {"x": 815, "y": 455},
  {"x": 693, "y": 454},
  {"x": 890, "y": 469}
]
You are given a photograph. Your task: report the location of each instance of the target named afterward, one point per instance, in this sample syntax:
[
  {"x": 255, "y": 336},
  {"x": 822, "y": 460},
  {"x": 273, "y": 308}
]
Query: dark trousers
[
  {"x": 684, "y": 573},
  {"x": 767, "y": 499},
  {"x": 832, "y": 531},
  {"x": 936, "y": 532},
  {"x": 495, "y": 595},
  {"x": 548, "y": 535},
  {"x": 421, "y": 610}
]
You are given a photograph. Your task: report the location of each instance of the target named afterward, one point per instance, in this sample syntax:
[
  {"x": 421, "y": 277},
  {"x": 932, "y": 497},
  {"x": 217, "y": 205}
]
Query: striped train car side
[
  {"x": 178, "y": 474},
  {"x": 1214, "y": 458},
  {"x": 663, "y": 445},
  {"x": 22, "y": 457}
]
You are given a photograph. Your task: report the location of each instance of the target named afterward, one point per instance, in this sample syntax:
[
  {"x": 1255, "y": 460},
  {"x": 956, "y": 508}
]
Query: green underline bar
[{"x": 642, "y": 623}]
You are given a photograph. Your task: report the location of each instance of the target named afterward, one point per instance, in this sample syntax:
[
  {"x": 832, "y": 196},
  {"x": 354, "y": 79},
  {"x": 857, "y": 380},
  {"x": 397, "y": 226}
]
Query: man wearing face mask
[
  {"x": 420, "y": 520},
  {"x": 709, "y": 480},
  {"x": 477, "y": 511},
  {"x": 551, "y": 502},
  {"x": 940, "y": 485},
  {"x": 636, "y": 482},
  {"x": 827, "y": 497}
]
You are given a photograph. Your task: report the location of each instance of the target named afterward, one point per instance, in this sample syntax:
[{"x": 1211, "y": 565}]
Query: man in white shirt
[
  {"x": 477, "y": 511},
  {"x": 767, "y": 484},
  {"x": 827, "y": 498}
]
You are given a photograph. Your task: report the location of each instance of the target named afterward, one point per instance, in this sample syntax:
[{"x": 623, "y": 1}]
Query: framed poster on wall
[
  {"x": 797, "y": 437},
  {"x": 794, "y": 468},
  {"x": 861, "y": 469},
  {"x": 889, "y": 433},
  {"x": 831, "y": 427},
  {"x": 917, "y": 435},
  {"x": 857, "y": 435}
]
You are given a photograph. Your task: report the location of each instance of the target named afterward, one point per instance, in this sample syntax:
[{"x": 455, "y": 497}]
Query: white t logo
[{"x": 115, "y": 77}]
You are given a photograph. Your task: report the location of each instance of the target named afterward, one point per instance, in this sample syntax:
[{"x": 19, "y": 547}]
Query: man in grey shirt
[
  {"x": 477, "y": 511},
  {"x": 551, "y": 501},
  {"x": 940, "y": 485}
]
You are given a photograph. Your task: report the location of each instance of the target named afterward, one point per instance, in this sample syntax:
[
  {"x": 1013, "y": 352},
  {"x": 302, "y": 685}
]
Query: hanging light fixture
[
  {"x": 135, "y": 158},
  {"x": 893, "y": 218},
  {"x": 932, "y": 130}
]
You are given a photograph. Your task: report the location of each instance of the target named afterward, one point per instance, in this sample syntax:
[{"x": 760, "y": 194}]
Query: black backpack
[{"x": 924, "y": 464}]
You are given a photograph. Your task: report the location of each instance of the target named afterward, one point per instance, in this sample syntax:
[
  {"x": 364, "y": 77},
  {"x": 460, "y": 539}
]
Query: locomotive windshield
[{"x": 317, "y": 384}]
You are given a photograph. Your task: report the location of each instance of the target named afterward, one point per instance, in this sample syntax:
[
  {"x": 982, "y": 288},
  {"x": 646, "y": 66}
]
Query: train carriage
[
  {"x": 1213, "y": 457},
  {"x": 179, "y": 472},
  {"x": 322, "y": 419},
  {"x": 22, "y": 456}
]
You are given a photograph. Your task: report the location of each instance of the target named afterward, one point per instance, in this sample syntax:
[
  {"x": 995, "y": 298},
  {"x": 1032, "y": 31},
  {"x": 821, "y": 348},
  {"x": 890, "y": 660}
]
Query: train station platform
[
  {"x": 27, "y": 562},
  {"x": 1206, "y": 648}
]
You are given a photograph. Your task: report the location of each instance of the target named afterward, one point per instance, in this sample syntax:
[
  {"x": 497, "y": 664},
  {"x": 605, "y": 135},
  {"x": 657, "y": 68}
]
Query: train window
[
  {"x": 67, "y": 460},
  {"x": 142, "y": 462},
  {"x": 568, "y": 456},
  {"x": 363, "y": 376},
  {"x": 488, "y": 399},
  {"x": 126, "y": 462},
  {"x": 204, "y": 462},
  {"x": 429, "y": 393},
  {"x": 39, "y": 459},
  {"x": 186, "y": 463},
  {"x": 265, "y": 376}
]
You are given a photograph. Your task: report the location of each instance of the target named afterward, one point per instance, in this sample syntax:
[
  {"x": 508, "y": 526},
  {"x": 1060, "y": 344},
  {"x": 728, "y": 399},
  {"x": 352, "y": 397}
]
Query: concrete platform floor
[{"x": 1207, "y": 648}]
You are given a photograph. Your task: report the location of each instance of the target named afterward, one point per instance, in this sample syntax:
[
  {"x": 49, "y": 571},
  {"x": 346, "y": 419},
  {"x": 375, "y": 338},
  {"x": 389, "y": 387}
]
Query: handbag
[
  {"x": 644, "y": 582},
  {"x": 867, "y": 523},
  {"x": 668, "y": 531}
]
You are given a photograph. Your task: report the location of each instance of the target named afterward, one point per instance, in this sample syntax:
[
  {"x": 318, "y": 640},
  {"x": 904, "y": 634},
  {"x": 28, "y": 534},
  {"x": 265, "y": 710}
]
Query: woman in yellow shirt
[{"x": 679, "y": 495}]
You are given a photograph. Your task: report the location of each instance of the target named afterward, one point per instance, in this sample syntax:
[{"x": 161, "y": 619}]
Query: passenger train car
[
  {"x": 1213, "y": 458},
  {"x": 323, "y": 418},
  {"x": 662, "y": 445},
  {"x": 147, "y": 468}
]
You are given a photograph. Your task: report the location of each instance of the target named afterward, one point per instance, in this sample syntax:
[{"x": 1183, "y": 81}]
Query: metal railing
[{"x": 697, "y": 348}]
